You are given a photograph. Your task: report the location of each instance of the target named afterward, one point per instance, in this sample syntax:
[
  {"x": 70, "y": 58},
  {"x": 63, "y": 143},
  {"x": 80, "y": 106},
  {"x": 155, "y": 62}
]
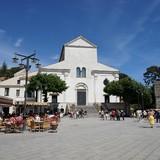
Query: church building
[{"x": 79, "y": 68}]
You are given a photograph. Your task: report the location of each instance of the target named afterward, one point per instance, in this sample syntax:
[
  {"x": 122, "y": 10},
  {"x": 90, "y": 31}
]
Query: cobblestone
[{"x": 86, "y": 139}]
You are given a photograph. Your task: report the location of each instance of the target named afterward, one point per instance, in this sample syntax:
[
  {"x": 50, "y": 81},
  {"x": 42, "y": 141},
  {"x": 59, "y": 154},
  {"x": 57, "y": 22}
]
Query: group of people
[
  {"x": 52, "y": 120},
  {"x": 114, "y": 114},
  {"x": 77, "y": 113},
  {"x": 18, "y": 119},
  {"x": 12, "y": 119},
  {"x": 152, "y": 115}
]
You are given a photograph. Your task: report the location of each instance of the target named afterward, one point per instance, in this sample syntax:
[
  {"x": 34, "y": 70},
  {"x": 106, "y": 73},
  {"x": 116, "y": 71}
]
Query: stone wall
[
  {"x": 157, "y": 94},
  {"x": 120, "y": 106}
]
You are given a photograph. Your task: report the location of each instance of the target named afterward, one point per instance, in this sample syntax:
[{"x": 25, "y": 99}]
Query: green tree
[
  {"x": 123, "y": 75},
  {"x": 4, "y": 69},
  {"x": 46, "y": 83},
  {"x": 130, "y": 90},
  {"x": 151, "y": 75},
  {"x": 8, "y": 73}
]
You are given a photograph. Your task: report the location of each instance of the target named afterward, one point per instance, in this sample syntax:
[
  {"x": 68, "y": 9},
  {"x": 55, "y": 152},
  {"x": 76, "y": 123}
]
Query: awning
[
  {"x": 5, "y": 101},
  {"x": 29, "y": 103}
]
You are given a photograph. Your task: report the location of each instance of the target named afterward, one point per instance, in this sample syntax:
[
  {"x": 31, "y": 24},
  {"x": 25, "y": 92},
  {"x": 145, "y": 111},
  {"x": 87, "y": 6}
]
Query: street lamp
[
  {"x": 41, "y": 87},
  {"x": 141, "y": 93},
  {"x": 27, "y": 67}
]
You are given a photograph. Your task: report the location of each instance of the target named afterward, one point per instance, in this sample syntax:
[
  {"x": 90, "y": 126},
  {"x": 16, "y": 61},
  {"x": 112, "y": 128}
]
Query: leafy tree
[
  {"x": 130, "y": 90},
  {"x": 122, "y": 75},
  {"x": 46, "y": 83},
  {"x": 152, "y": 75},
  {"x": 3, "y": 70},
  {"x": 14, "y": 70},
  {"x": 8, "y": 73}
]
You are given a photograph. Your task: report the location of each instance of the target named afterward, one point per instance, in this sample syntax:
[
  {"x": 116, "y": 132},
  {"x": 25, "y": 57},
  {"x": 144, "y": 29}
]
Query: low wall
[{"x": 120, "y": 106}]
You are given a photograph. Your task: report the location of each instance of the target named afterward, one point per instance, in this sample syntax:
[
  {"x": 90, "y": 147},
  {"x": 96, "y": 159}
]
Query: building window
[
  {"x": 78, "y": 72},
  {"x": 30, "y": 94},
  {"x": 17, "y": 92},
  {"x": 18, "y": 81},
  {"x": 6, "y": 92},
  {"x": 54, "y": 98},
  {"x": 83, "y": 72},
  {"x": 106, "y": 99},
  {"x": 106, "y": 81}
]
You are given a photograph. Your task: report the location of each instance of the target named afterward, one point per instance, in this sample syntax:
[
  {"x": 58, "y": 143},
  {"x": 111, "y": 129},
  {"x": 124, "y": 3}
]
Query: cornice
[
  {"x": 103, "y": 72},
  {"x": 54, "y": 70}
]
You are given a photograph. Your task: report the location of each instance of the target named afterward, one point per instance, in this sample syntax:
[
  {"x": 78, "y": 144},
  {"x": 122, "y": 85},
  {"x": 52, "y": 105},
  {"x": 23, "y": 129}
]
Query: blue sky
[{"x": 127, "y": 32}]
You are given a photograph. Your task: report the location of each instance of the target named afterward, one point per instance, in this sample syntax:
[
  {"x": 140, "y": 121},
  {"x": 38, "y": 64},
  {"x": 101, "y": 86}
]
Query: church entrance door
[{"x": 81, "y": 97}]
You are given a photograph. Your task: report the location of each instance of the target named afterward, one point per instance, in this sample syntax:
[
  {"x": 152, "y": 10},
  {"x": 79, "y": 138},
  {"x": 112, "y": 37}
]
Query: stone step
[{"x": 91, "y": 110}]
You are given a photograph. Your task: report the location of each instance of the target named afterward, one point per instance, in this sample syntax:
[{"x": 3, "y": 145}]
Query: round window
[{"x": 105, "y": 82}]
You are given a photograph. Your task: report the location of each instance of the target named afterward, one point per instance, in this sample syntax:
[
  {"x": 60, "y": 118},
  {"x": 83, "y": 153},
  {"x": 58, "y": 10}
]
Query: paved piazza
[{"x": 85, "y": 139}]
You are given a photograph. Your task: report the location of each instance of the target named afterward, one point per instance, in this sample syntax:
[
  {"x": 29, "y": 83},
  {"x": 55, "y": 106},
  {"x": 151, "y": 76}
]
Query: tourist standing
[
  {"x": 122, "y": 114},
  {"x": 151, "y": 118}
]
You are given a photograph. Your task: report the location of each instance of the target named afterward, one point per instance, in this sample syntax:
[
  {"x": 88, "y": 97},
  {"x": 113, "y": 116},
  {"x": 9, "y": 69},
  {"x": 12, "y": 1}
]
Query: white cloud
[
  {"x": 156, "y": 19},
  {"x": 6, "y": 54},
  {"x": 55, "y": 57},
  {"x": 123, "y": 48},
  {"x": 18, "y": 42},
  {"x": 114, "y": 60},
  {"x": 2, "y": 31}
]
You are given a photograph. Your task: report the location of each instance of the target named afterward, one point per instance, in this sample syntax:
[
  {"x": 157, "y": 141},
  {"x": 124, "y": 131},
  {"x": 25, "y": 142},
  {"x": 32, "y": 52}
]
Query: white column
[
  {"x": 65, "y": 79},
  {"x": 95, "y": 88}
]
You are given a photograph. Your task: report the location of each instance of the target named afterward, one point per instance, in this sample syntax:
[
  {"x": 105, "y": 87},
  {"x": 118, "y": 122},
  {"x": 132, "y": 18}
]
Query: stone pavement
[{"x": 85, "y": 139}]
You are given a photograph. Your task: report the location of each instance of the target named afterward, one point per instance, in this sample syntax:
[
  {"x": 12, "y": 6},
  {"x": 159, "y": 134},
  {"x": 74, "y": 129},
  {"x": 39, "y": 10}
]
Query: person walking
[
  {"x": 157, "y": 116},
  {"x": 151, "y": 118},
  {"x": 118, "y": 115},
  {"x": 122, "y": 114}
]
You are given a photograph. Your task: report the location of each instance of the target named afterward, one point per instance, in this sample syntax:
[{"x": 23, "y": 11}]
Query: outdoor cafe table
[
  {"x": 10, "y": 127},
  {"x": 39, "y": 123}
]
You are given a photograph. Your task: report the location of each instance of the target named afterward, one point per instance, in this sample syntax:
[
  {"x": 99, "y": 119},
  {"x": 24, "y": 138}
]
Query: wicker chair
[
  {"x": 45, "y": 125},
  {"x": 34, "y": 126},
  {"x": 2, "y": 126}
]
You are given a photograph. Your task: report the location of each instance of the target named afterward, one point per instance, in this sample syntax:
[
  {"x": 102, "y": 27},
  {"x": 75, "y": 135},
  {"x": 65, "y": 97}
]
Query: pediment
[{"x": 80, "y": 42}]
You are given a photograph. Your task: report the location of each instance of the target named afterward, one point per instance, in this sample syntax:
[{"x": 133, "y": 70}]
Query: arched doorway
[
  {"x": 81, "y": 89},
  {"x": 81, "y": 97}
]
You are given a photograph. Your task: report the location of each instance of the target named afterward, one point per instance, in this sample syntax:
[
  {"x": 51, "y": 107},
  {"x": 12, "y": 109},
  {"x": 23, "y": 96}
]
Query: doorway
[{"x": 81, "y": 97}]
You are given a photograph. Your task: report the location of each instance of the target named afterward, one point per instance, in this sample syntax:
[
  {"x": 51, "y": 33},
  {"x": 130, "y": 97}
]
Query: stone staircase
[{"x": 91, "y": 110}]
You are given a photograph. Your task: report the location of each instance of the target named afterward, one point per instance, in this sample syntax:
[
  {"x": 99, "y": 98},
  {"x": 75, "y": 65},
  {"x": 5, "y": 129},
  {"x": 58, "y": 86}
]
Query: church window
[
  {"x": 78, "y": 72},
  {"x": 83, "y": 72},
  {"x": 106, "y": 81},
  {"x": 107, "y": 100}
]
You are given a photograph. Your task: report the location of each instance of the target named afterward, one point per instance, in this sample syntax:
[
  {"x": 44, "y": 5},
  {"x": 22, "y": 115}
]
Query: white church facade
[{"x": 78, "y": 66}]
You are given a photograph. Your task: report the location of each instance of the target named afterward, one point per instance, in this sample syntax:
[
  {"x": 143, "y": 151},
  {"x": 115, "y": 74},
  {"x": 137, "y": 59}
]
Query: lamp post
[
  {"x": 140, "y": 91},
  {"x": 27, "y": 67},
  {"x": 18, "y": 107},
  {"x": 41, "y": 87}
]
